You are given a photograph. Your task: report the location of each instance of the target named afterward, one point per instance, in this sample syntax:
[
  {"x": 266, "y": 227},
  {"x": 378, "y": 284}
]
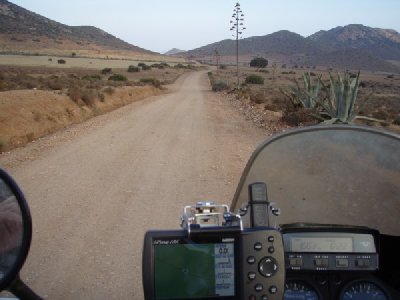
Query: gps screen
[{"x": 190, "y": 271}]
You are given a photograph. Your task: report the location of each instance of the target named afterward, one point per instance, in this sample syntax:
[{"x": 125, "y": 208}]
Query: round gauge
[
  {"x": 299, "y": 290},
  {"x": 363, "y": 290}
]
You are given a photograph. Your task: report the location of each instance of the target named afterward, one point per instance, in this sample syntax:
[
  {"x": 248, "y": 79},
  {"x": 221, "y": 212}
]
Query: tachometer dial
[
  {"x": 299, "y": 290},
  {"x": 363, "y": 290}
]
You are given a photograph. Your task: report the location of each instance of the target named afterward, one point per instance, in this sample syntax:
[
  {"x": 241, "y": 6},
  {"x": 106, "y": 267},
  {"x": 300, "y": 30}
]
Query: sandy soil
[{"x": 95, "y": 188}]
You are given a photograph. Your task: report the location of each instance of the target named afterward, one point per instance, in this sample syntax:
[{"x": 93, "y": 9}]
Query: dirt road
[{"x": 95, "y": 188}]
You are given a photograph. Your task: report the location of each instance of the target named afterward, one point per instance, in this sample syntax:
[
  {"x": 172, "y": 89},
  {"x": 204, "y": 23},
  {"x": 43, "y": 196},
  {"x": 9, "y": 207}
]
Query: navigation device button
[
  {"x": 342, "y": 262},
  {"x": 251, "y": 275},
  {"x": 251, "y": 260},
  {"x": 321, "y": 262},
  {"x": 268, "y": 266},
  {"x": 258, "y": 246},
  {"x": 273, "y": 289},
  {"x": 264, "y": 297},
  {"x": 295, "y": 261},
  {"x": 271, "y": 249},
  {"x": 258, "y": 287},
  {"x": 271, "y": 239}
]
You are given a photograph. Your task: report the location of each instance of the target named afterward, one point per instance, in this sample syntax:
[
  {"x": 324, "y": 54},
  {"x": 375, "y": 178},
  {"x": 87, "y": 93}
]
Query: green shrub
[
  {"x": 61, "y": 61},
  {"x": 146, "y": 68},
  {"x": 106, "y": 71},
  {"x": 117, "y": 77},
  {"x": 133, "y": 69},
  {"x": 219, "y": 86},
  {"x": 180, "y": 66},
  {"x": 254, "y": 79},
  {"x": 141, "y": 64}
]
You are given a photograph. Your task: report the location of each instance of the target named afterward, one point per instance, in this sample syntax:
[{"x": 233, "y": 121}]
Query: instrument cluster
[{"x": 335, "y": 263}]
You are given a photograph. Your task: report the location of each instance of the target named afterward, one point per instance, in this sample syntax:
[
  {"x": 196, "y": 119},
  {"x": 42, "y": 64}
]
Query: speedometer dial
[
  {"x": 363, "y": 290},
  {"x": 298, "y": 290}
]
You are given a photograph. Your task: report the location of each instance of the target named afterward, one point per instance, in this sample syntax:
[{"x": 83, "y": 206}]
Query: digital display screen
[
  {"x": 321, "y": 244},
  {"x": 189, "y": 271}
]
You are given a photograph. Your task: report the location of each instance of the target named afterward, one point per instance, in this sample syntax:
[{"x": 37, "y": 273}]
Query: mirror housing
[{"x": 12, "y": 273}]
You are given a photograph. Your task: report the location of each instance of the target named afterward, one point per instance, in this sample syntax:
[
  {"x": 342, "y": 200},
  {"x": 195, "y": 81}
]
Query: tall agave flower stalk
[{"x": 341, "y": 98}]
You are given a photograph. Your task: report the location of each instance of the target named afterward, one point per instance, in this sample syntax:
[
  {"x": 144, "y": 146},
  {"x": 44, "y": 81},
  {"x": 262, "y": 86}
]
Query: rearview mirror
[{"x": 15, "y": 230}]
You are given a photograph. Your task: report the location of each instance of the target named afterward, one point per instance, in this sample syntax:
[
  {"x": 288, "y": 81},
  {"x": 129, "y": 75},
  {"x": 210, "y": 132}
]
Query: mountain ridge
[{"x": 365, "y": 47}]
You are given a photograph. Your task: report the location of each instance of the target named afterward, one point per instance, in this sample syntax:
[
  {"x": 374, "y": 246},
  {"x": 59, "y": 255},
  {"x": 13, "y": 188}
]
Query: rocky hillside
[
  {"x": 382, "y": 43},
  {"x": 352, "y": 47},
  {"x": 21, "y": 28}
]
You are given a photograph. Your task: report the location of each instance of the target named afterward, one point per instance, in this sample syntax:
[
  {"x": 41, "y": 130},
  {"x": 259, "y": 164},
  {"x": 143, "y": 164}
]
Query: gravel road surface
[{"x": 95, "y": 188}]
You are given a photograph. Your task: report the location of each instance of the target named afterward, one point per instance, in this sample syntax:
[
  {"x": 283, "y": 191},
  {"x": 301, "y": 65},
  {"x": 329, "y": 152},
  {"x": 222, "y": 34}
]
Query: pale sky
[{"x": 160, "y": 25}]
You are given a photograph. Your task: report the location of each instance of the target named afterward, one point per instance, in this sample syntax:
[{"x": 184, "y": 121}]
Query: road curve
[{"x": 95, "y": 188}]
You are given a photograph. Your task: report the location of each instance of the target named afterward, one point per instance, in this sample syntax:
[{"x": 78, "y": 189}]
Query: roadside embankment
[{"x": 26, "y": 115}]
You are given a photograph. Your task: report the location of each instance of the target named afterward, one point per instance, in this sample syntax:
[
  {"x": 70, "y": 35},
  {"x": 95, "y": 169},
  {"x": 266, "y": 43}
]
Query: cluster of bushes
[
  {"x": 154, "y": 82},
  {"x": 161, "y": 65},
  {"x": 117, "y": 77}
]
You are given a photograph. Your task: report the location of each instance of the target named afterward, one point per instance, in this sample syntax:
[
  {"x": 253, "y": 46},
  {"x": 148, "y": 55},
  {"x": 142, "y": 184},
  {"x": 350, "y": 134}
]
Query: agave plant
[
  {"x": 341, "y": 98},
  {"x": 306, "y": 96}
]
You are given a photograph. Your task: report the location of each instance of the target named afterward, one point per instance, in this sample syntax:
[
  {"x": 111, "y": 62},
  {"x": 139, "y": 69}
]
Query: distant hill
[
  {"x": 351, "y": 47},
  {"x": 23, "y": 30},
  {"x": 174, "y": 51},
  {"x": 382, "y": 43},
  {"x": 282, "y": 42}
]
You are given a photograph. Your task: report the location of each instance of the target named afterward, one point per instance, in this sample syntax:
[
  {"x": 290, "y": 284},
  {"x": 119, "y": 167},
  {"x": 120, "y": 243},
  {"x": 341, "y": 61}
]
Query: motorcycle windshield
[{"x": 329, "y": 175}]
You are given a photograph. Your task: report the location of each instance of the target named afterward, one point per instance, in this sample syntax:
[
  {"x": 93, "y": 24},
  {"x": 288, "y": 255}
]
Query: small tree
[{"x": 259, "y": 62}]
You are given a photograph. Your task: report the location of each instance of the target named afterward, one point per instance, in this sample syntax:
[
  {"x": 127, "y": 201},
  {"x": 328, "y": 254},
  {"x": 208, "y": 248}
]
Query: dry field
[
  {"x": 81, "y": 62},
  {"x": 383, "y": 104}
]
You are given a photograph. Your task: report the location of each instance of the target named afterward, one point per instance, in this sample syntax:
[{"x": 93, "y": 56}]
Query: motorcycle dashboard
[{"x": 336, "y": 262}]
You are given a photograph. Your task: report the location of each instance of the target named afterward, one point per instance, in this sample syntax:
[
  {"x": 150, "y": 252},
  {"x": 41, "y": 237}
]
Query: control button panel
[
  {"x": 263, "y": 264},
  {"x": 331, "y": 261},
  {"x": 342, "y": 249}
]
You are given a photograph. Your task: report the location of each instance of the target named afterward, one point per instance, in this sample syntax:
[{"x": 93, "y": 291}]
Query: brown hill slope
[{"x": 24, "y": 31}]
